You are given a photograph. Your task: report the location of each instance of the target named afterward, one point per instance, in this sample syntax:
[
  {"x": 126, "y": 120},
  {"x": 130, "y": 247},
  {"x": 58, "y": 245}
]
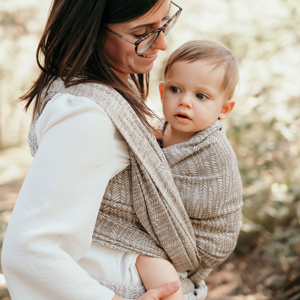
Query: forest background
[{"x": 263, "y": 128}]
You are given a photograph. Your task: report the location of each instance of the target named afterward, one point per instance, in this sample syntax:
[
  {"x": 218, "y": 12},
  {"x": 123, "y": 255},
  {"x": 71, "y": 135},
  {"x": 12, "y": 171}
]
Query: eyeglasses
[{"x": 148, "y": 40}]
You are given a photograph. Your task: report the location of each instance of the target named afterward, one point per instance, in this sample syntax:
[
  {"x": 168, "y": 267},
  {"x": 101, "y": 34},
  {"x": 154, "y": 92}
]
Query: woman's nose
[{"x": 161, "y": 43}]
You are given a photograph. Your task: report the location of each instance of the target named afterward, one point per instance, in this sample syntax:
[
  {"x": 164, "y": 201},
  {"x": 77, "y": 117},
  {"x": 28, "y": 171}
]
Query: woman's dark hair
[{"x": 71, "y": 47}]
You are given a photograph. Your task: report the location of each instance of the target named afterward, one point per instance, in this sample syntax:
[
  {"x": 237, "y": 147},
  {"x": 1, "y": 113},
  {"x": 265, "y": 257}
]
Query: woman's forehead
[{"x": 152, "y": 17}]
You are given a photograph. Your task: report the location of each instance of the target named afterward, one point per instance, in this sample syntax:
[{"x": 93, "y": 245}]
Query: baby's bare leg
[{"x": 156, "y": 272}]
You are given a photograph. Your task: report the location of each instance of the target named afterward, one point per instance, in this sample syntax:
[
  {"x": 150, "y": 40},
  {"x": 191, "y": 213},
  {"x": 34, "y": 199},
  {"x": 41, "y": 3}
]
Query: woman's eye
[
  {"x": 139, "y": 36},
  {"x": 201, "y": 96},
  {"x": 175, "y": 90},
  {"x": 167, "y": 17}
]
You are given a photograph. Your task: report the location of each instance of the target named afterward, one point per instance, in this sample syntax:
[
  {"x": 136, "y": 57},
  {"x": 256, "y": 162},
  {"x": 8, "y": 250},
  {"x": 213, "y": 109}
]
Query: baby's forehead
[
  {"x": 202, "y": 62},
  {"x": 180, "y": 68}
]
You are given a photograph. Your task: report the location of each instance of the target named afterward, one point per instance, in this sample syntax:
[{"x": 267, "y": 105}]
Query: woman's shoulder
[
  {"x": 89, "y": 90},
  {"x": 66, "y": 106},
  {"x": 62, "y": 104},
  {"x": 76, "y": 115}
]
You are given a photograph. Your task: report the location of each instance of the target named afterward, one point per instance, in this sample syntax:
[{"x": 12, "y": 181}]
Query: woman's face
[{"x": 120, "y": 54}]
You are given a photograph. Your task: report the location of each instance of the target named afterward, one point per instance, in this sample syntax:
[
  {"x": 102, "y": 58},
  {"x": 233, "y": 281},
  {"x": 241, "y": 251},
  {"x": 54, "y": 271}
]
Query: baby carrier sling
[{"x": 142, "y": 211}]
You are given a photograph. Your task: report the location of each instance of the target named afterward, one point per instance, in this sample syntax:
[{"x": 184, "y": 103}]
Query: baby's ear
[
  {"x": 227, "y": 108},
  {"x": 161, "y": 90}
]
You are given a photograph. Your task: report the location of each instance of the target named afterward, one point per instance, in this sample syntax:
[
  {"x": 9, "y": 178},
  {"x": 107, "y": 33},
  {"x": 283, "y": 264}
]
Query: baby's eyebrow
[{"x": 206, "y": 90}]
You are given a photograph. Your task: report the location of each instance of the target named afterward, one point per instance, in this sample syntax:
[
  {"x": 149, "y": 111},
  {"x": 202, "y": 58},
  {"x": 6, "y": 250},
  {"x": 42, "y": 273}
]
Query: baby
[{"x": 197, "y": 93}]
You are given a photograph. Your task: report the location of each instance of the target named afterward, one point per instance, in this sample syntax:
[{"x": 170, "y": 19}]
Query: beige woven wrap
[{"x": 142, "y": 210}]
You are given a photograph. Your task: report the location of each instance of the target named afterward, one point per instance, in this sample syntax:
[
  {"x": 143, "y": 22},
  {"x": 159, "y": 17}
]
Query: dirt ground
[{"x": 251, "y": 276}]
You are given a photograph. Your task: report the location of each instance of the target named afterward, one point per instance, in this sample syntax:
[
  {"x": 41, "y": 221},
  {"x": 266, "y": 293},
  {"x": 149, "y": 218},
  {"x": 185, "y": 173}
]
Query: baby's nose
[{"x": 186, "y": 102}]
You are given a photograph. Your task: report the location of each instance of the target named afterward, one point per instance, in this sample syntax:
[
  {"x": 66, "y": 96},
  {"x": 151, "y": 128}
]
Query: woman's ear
[
  {"x": 227, "y": 108},
  {"x": 161, "y": 90}
]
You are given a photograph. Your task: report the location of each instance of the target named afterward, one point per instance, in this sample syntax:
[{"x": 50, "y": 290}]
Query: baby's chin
[
  {"x": 184, "y": 129},
  {"x": 192, "y": 127},
  {"x": 200, "y": 127}
]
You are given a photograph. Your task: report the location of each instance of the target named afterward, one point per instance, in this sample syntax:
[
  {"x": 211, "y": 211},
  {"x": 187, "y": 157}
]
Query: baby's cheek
[
  {"x": 203, "y": 121},
  {"x": 167, "y": 112}
]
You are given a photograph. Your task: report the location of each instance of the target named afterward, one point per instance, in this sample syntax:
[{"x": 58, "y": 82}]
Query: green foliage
[{"x": 284, "y": 246}]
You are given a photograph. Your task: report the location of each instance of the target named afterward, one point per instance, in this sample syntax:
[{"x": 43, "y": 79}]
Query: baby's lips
[{"x": 181, "y": 114}]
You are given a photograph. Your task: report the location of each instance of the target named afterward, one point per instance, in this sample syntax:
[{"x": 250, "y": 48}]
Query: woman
[{"x": 48, "y": 251}]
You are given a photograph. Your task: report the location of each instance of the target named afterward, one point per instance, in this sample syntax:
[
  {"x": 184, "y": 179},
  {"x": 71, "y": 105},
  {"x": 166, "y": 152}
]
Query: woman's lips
[{"x": 149, "y": 57}]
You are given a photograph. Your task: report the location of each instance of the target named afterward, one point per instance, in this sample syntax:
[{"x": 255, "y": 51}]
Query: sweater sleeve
[{"x": 53, "y": 220}]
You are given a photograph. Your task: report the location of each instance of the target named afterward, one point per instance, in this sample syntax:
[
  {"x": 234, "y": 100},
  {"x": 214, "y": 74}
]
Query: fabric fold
[{"x": 159, "y": 208}]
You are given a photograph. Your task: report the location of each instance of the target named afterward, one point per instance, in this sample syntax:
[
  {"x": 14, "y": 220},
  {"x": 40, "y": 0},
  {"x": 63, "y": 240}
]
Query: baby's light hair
[{"x": 214, "y": 52}]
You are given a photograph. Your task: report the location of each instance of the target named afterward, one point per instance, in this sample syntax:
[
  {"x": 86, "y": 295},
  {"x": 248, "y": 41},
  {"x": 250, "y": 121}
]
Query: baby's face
[{"x": 192, "y": 95}]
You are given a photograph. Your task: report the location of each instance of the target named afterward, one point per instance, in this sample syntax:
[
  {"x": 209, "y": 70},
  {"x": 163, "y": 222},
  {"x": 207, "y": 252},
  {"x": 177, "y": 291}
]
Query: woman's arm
[
  {"x": 157, "y": 294},
  {"x": 54, "y": 216}
]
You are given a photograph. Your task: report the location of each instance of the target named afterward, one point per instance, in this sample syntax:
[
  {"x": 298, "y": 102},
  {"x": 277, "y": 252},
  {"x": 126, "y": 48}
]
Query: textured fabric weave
[
  {"x": 206, "y": 174},
  {"x": 164, "y": 223},
  {"x": 142, "y": 211}
]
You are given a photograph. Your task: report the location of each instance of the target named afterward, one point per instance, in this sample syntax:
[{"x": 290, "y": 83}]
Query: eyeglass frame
[{"x": 159, "y": 30}]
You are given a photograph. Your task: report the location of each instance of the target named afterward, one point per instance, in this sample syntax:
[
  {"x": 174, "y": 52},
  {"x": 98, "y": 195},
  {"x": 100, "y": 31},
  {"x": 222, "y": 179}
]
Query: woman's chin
[{"x": 145, "y": 69}]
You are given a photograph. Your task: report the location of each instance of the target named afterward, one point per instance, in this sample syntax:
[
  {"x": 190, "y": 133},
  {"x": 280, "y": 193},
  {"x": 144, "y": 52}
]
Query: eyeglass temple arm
[
  {"x": 177, "y": 5},
  {"x": 120, "y": 36}
]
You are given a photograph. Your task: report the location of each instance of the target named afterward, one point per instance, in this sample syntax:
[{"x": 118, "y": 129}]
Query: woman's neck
[
  {"x": 173, "y": 136},
  {"x": 123, "y": 77}
]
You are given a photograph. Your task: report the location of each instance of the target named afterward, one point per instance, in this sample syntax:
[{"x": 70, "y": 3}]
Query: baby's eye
[
  {"x": 201, "y": 96},
  {"x": 175, "y": 90}
]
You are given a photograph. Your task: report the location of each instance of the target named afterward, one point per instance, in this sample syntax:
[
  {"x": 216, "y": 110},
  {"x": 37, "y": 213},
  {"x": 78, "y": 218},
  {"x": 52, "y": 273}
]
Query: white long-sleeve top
[{"x": 48, "y": 251}]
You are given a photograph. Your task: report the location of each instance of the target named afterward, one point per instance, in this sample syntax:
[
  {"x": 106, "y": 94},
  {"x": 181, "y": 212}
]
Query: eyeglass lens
[{"x": 149, "y": 41}]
